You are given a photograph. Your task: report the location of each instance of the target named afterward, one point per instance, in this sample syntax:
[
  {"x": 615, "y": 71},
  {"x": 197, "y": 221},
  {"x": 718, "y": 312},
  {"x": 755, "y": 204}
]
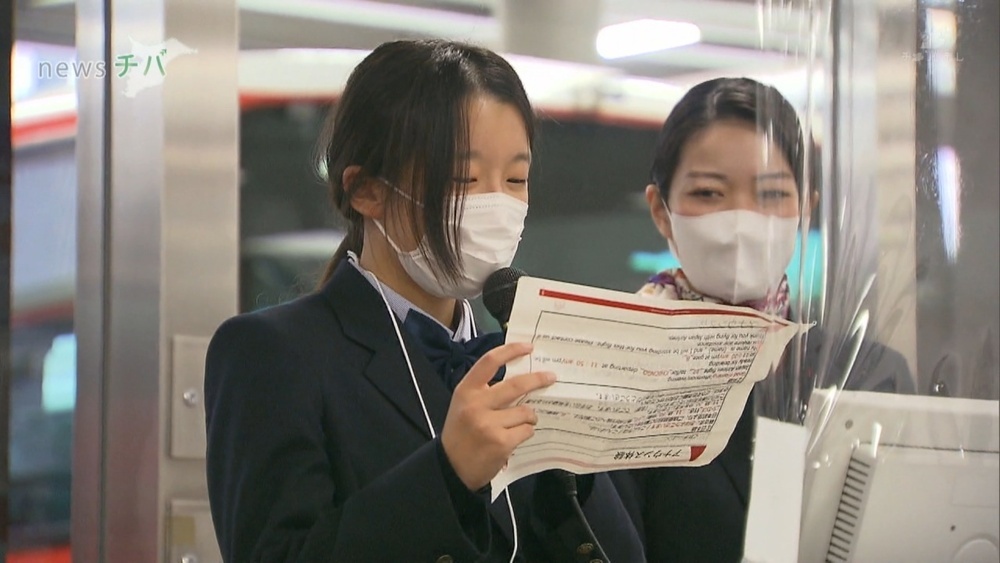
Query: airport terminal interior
[{"x": 160, "y": 175}]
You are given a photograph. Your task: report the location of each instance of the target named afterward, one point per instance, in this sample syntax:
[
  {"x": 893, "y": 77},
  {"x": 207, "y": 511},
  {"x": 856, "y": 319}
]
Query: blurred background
[{"x": 144, "y": 218}]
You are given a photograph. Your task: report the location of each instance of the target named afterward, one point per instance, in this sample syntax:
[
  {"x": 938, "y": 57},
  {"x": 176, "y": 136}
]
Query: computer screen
[{"x": 901, "y": 478}]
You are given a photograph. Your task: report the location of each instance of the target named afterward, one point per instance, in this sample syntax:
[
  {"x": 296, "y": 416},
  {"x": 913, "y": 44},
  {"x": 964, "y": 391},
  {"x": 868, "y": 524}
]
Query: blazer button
[
  {"x": 585, "y": 548},
  {"x": 445, "y": 559}
]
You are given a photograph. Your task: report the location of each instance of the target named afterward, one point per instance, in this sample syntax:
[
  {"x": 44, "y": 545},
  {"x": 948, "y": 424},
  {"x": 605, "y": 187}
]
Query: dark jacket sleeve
[{"x": 271, "y": 477}]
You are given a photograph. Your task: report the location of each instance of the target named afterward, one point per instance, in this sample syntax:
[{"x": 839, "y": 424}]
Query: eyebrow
[
  {"x": 710, "y": 175},
  {"x": 722, "y": 177},
  {"x": 519, "y": 157},
  {"x": 774, "y": 176}
]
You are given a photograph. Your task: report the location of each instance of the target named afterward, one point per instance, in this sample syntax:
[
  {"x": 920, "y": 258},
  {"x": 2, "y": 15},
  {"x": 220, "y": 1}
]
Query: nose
[
  {"x": 495, "y": 185},
  {"x": 746, "y": 200},
  {"x": 494, "y": 182}
]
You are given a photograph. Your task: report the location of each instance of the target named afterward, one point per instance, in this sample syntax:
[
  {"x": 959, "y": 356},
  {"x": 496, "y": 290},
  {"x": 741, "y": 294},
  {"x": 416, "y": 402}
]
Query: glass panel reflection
[{"x": 43, "y": 347}]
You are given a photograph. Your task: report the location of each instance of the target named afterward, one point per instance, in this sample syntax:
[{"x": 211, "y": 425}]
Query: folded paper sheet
[{"x": 641, "y": 382}]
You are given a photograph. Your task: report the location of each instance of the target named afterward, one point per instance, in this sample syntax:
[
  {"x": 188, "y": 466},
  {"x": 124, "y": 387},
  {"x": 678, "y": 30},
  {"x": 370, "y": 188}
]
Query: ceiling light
[{"x": 644, "y": 36}]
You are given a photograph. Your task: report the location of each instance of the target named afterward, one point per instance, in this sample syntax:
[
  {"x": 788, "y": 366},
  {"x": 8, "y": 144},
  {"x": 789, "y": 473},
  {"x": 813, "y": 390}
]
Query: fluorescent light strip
[
  {"x": 377, "y": 15},
  {"x": 644, "y": 36},
  {"x": 949, "y": 191},
  {"x": 43, "y": 108}
]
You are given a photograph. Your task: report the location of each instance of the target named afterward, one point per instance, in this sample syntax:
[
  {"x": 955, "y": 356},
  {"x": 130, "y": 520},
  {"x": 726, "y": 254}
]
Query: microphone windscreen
[{"x": 499, "y": 291}]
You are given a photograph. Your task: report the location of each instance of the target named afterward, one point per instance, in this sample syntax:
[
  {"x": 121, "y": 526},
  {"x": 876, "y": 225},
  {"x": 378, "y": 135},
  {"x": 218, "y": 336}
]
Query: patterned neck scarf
[{"x": 673, "y": 284}]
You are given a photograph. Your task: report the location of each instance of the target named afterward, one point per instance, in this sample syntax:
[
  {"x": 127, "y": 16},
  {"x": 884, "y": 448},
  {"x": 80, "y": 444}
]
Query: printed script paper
[{"x": 641, "y": 382}]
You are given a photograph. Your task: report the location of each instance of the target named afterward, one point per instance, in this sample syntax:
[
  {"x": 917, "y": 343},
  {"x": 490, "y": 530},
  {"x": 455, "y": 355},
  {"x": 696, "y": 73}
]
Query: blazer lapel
[{"x": 365, "y": 320}]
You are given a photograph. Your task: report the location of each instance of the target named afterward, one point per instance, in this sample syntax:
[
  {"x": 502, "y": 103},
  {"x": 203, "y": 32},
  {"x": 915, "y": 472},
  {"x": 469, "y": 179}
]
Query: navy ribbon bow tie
[{"x": 452, "y": 360}]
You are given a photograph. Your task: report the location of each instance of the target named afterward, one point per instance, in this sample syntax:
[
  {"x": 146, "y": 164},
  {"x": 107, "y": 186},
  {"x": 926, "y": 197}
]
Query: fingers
[
  {"x": 516, "y": 416},
  {"x": 487, "y": 366},
  {"x": 508, "y": 390},
  {"x": 519, "y": 434}
]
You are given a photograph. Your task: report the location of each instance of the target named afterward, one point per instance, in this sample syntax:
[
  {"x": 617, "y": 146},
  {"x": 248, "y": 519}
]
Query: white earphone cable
[
  {"x": 406, "y": 355},
  {"x": 420, "y": 396},
  {"x": 513, "y": 523}
]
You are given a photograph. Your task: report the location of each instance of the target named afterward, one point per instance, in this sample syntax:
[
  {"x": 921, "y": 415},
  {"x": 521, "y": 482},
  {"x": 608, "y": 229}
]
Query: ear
[
  {"x": 658, "y": 211},
  {"x": 367, "y": 195}
]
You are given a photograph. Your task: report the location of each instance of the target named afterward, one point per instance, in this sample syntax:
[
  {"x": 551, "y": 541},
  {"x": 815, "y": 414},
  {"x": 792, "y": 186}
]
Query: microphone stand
[{"x": 569, "y": 483}]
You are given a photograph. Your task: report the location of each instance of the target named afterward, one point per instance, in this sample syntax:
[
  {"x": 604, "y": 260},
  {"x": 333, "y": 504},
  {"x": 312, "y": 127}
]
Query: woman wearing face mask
[
  {"x": 726, "y": 194},
  {"x": 365, "y": 422}
]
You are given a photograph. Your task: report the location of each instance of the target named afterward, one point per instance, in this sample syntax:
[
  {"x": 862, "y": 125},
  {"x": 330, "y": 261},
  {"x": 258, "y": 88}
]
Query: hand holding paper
[
  {"x": 482, "y": 427},
  {"x": 641, "y": 382}
]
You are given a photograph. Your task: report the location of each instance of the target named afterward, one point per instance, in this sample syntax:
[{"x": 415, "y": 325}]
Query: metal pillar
[
  {"x": 157, "y": 166},
  {"x": 555, "y": 29},
  {"x": 6, "y": 191}
]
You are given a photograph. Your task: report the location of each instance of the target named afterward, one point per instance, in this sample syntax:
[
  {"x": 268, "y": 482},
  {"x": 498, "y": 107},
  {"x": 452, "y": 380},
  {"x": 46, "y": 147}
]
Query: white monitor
[{"x": 901, "y": 478}]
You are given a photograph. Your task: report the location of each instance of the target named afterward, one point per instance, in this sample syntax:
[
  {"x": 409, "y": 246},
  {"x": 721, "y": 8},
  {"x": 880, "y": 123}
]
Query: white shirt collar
[{"x": 401, "y": 306}]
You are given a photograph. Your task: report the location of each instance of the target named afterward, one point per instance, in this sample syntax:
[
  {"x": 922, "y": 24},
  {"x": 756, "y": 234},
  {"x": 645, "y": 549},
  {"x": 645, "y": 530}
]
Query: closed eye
[
  {"x": 773, "y": 195},
  {"x": 705, "y": 193},
  {"x": 474, "y": 180}
]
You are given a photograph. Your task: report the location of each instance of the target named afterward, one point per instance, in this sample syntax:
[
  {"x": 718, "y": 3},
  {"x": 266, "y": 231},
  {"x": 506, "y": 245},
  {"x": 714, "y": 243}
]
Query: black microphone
[
  {"x": 498, "y": 294},
  {"x": 499, "y": 291}
]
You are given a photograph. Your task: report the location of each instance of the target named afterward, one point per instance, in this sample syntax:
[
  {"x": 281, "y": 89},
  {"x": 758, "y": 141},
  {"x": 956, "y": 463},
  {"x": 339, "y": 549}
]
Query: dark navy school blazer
[{"x": 318, "y": 449}]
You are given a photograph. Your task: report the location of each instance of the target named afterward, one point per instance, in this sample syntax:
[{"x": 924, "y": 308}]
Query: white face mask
[
  {"x": 736, "y": 256},
  {"x": 489, "y": 231}
]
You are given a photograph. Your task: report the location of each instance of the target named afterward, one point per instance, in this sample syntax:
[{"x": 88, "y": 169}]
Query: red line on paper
[{"x": 645, "y": 308}]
